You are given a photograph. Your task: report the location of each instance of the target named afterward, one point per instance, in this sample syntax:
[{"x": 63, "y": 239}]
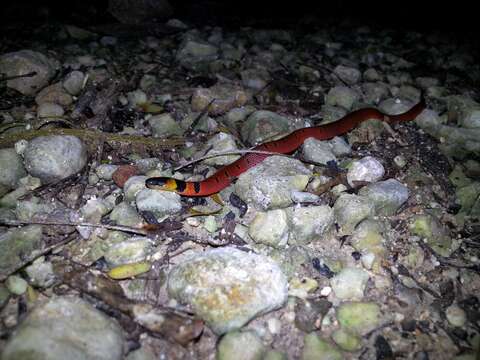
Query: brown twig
[
  {"x": 199, "y": 116},
  {"x": 340, "y": 178},
  {"x": 173, "y": 324},
  {"x": 93, "y": 136},
  {"x": 394, "y": 134}
]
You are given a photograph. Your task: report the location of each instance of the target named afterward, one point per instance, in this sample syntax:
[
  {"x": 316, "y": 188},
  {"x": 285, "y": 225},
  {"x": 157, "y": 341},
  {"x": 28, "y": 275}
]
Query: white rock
[
  {"x": 227, "y": 287},
  {"x": 367, "y": 169}
]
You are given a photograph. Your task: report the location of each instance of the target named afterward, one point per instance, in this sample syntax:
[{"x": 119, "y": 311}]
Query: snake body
[{"x": 286, "y": 145}]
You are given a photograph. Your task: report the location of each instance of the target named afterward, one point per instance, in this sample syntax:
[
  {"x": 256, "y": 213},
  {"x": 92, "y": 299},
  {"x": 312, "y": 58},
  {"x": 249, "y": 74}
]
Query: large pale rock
[
  {"x": 24, "y": 62},
  {"x": 269, "y": 185},
  {"x": 227, "y": 287},
  {"x": 66, "y": 327},
  {"x": 56, "y": 157}
]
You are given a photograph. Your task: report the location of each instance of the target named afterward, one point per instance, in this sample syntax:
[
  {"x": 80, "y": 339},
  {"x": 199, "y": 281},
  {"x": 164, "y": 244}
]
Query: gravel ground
[{"x": 364, "y": 246}]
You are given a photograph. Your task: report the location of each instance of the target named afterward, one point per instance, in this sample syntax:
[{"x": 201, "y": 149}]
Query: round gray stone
[
  {"x": 73, "y": 82},
  {"x": 132, "y": 250},
  {"x": 317, "y": 151},
  {"x": 263, "y": 124},
  {"x": 341, "y": 96},
  {"x": 53, "y": 158},
  {"x": 309, "y": 223},
  {"x": 349, "y": 284}
]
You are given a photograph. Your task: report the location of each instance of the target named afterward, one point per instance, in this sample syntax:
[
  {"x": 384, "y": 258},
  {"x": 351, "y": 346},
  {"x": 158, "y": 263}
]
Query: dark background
[{"x": 459, "y": 17}]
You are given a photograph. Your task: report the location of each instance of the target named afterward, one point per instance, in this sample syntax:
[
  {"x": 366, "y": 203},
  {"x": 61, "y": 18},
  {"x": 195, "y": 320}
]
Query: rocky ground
[{"x": 364, "y": 246}]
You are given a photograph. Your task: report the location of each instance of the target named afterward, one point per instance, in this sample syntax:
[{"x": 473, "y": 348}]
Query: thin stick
[
  {"x": 394, "y": 134},
  {"x": 30, "y": 74},
  {"x": 199, "y": 116},
  {"x": 66, "y": 223},
  {"x": 236, "y": 152}
]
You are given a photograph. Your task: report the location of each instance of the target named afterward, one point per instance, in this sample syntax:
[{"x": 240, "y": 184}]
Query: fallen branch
[
  {"x": 199, "y": 116},
  {"x": 93, "y": 137},
  {"x": 172, "y": 324},
  {"x": 394, "y": 134}
]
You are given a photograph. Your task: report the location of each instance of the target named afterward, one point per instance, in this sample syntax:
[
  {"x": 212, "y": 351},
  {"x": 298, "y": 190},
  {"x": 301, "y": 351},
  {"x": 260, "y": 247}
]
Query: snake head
[{"x": 161, "y": 183}]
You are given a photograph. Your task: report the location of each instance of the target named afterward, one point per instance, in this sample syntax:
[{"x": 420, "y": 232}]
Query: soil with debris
[{"x": 365, "y": 246}]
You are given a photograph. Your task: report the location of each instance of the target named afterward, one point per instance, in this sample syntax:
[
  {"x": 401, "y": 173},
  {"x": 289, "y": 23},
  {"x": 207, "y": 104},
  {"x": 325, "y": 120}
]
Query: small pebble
[
  {"x": 327, "y": 290},
  {"x": 400, "y": 161},
  {"x": 73, "y": 82},
  {"x": 16, "y": 285},
  {"x": 456, "y": 316},
  {"x": 123, "y": 173}
]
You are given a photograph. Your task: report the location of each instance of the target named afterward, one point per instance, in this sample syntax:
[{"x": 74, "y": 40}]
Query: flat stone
[
  {"x": 159, "y": 202},
  {"x": 387, "y": 196}
]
